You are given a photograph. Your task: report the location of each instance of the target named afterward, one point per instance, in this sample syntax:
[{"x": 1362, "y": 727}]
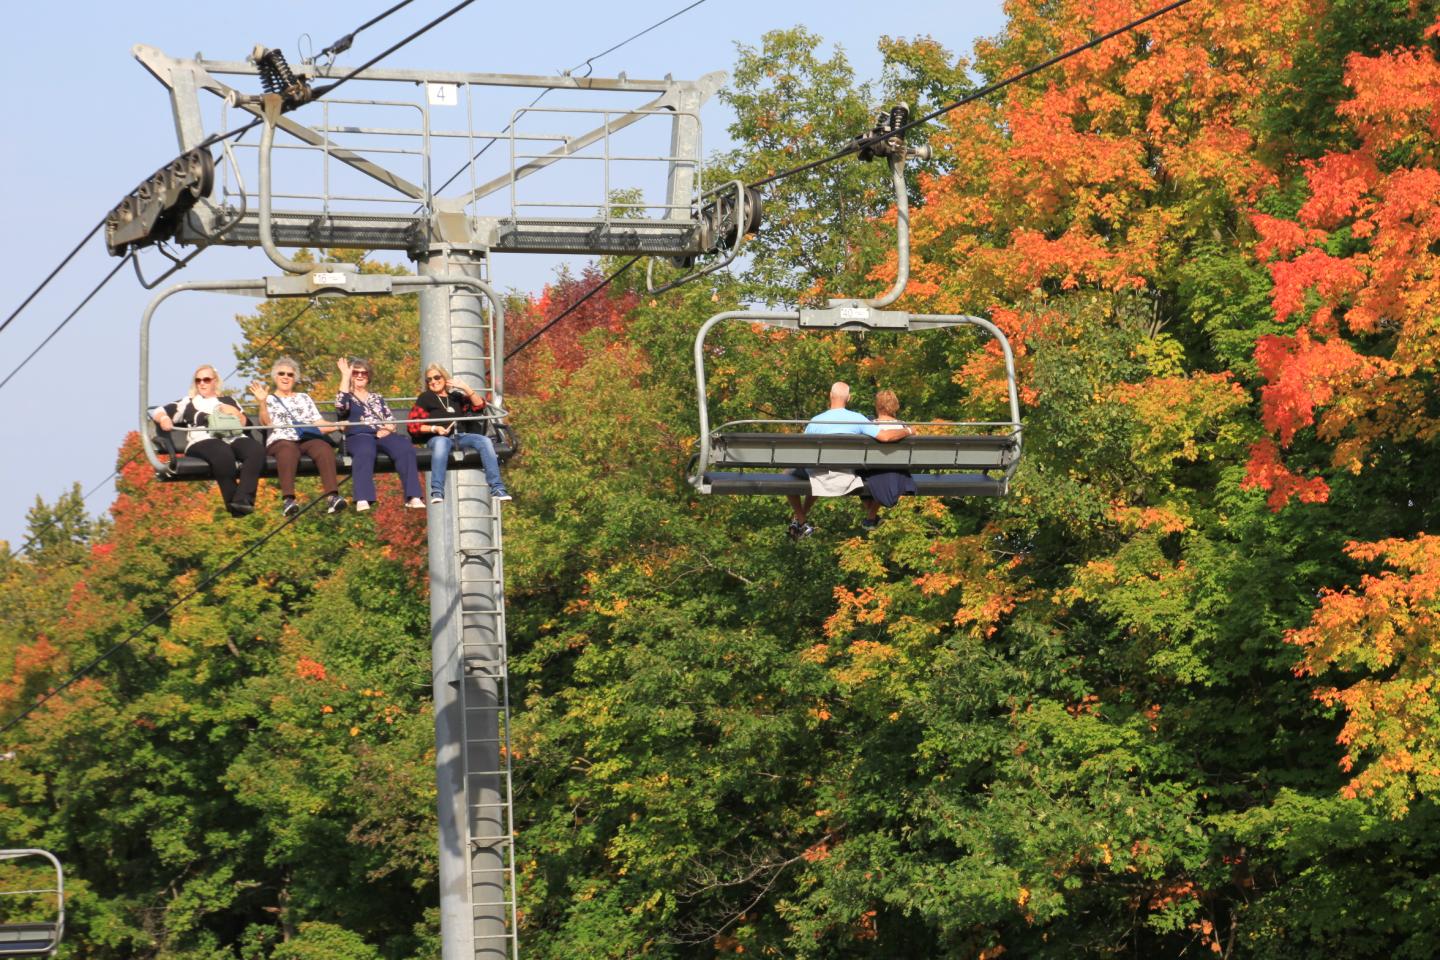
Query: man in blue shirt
[{"x": 834, "y": 483}]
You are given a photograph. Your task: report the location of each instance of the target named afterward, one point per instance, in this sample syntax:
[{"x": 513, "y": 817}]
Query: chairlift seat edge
[
  {"x": 976, "y": 452},
  {"x": 28, "y": 939},
  {"x": 737, "y": 483},
  {"x": 182, "y": 468}
]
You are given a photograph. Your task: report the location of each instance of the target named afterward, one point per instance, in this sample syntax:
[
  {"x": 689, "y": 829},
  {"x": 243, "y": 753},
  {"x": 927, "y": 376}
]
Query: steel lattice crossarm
[{"x": 374, "y": 169}]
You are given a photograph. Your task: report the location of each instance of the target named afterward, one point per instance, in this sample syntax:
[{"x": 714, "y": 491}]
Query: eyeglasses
[
  {"x": 204, "y": 379},
  {"x": 360, "y": 373},
  {"x": 432, "y": 379},
  {"x": 284, "y": 373}
]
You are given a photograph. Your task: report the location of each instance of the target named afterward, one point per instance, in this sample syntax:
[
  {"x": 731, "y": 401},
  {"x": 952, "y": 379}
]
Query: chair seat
[
  {"x": 193, "y": 468},
  {"x": 966, "y": 452},
  {"x": 781, "y": 484},
  {"x": 28, "y": 939}
]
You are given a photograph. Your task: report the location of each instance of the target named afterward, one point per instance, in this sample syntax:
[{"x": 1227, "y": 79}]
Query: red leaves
[
  {"x": 1397, "y": 96},
  {"x": 608, "y": 309},
  {"x": 1332, "y": 277},
  {"x": 1265, "y": 471},
  {"x": 1281, "y": 237},
  {"x": 1339, "y": 185},
  {"x": 1363, "y": 259},
  {"x": 1304, "y": 374},
  {"x": 308, "y": 669}
]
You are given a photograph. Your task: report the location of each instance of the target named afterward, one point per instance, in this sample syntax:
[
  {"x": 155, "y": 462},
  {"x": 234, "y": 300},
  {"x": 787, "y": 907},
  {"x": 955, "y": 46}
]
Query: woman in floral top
[
  {"x": 372, "y": 427},
  {"x": 296, "y": 427}
]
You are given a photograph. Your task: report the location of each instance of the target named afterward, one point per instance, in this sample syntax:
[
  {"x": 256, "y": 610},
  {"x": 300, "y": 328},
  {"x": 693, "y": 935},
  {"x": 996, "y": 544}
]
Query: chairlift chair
[
  {"x": 318, "y": 283},
  {"x": 33, "y": 937},
  {"x": 751, "y": 457}
]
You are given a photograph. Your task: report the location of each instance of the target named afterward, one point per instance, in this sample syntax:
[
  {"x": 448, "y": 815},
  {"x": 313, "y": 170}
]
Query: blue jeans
[
  {"x": 361, "y": 447},
  {"x": 440, "y": 460}
]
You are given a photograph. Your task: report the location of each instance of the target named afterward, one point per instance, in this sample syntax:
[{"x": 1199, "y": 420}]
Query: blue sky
[{"x": 85, "y": 123}]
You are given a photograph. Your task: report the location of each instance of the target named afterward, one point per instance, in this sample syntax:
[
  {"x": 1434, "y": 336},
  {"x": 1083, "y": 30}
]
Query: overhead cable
[
  {"x": 69, "y": 681},
  {"x": 71, "y": 316},
  {"x": 343, "y": 44},
  {"x": 541, "y": 95},
  {"x": 573, "y": 307},
  {"x": 330, "y": 88},
  {"x": 859, "y": 144},
  {"x": 637, "y": 36},
  {"x": 61, "y": 266},
  {"x": 35, "y": 537}
]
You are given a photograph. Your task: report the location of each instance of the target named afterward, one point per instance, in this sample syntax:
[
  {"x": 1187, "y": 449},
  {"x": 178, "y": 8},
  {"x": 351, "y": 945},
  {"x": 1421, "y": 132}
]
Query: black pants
[{"x": 222, "y": 457}]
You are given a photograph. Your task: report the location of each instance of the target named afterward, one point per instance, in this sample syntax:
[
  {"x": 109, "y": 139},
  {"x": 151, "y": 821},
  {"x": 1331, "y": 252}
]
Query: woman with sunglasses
[
  {"x": 371, "y": 428},
  {"x": 220, "y": 448},
  {"x": 443, "y": 397},
  {"x": 296, "y": 427}
]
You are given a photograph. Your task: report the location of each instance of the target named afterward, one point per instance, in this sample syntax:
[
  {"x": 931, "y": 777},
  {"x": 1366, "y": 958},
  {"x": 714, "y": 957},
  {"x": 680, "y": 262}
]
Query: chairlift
[
  {"x": 325, "y": 280},
  {"x": 753, "y": 457},
  {"x": 319, "y": 283},
  {"x": 32, "y": 927}
]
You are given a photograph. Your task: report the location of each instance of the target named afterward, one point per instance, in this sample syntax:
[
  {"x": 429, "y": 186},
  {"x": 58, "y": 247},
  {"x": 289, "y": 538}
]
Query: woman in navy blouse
[{"x": 372, "y": 426}]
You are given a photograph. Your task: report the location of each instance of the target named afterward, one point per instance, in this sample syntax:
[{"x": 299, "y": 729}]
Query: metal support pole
[{"x": 477, "y": 905}]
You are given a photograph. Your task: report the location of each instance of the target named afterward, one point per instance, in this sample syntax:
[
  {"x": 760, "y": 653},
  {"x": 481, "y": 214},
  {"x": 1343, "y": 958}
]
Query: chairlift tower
[{"x": 367, "y": 173}]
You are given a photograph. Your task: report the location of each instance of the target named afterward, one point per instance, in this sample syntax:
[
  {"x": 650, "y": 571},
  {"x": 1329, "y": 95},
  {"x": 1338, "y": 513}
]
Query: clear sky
[{"x": 85, "y": 123}]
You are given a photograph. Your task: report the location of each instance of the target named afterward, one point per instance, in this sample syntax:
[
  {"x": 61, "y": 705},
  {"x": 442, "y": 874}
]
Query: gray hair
[{"x": 285, "y": 362}]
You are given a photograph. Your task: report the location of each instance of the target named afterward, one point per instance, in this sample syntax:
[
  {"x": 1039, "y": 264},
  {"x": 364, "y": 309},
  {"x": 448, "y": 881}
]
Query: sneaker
[
  {"x": 415, "y": 503},
  {"x": 337, "y": 503},
  {"x": 798, "y": 530},
  {"x": 502, "y": 495},
  {"x": 362, "y": 505},
  {"x": 436, "y": 498},
  {"x": 868, "y": 524},
  {"x": 291, "y": 507}
]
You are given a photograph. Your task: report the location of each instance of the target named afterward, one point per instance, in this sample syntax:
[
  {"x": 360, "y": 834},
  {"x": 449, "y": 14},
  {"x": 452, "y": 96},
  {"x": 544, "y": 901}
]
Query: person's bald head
[{"x": 839, "y": 394}]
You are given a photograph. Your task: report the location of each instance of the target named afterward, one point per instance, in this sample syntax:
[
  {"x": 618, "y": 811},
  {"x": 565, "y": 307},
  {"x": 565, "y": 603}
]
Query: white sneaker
[
  {"x": 437, "y": 499},
  {"x": 502, "y": 496},
  {"x": 415, "y": 503},
  {"x": 362, "y": 505}
]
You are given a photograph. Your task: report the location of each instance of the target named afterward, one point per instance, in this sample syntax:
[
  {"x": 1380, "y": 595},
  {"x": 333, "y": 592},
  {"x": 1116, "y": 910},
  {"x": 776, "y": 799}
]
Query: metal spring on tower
[{"x": 275, "y": 73}]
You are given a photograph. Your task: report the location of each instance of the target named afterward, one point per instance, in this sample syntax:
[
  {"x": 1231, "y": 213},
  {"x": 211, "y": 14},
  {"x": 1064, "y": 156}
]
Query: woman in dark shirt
[
  {"x": 371, "y": 427},
  {"x": 884, "y": 488},
  {"x": 443, "y": 397}
]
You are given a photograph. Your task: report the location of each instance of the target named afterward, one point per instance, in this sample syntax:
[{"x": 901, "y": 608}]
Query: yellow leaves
[
  {"x": 867, "y": 659},
  {"x": 817, "y": 653},
  {"x": 1158, "y": 519},
  {"x": 1023, "y": 897},
  {"x": 935, "y": 584},
  {"x": 354, "y": 731}
]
